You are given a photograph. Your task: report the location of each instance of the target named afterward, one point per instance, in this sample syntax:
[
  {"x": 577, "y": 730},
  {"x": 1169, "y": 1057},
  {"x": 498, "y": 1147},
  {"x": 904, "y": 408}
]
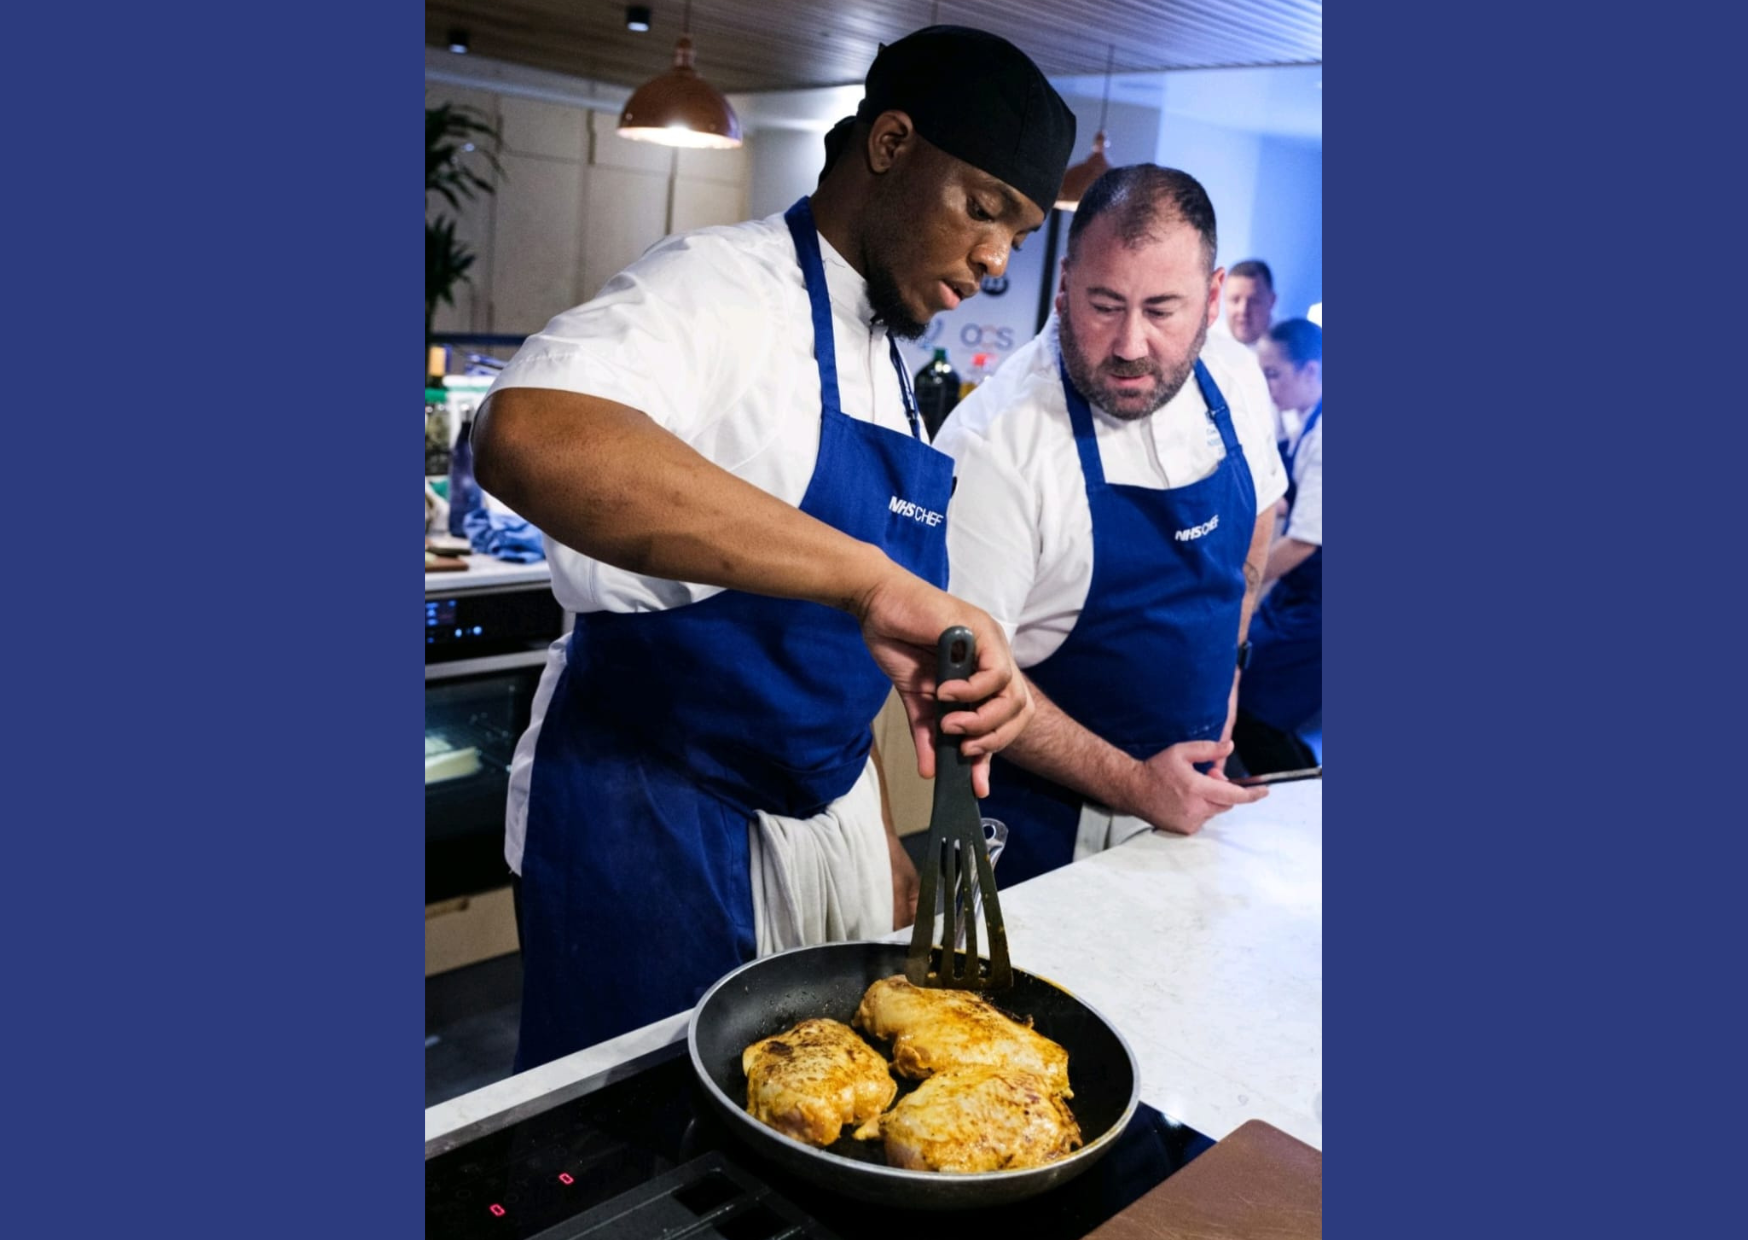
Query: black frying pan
[{"x": 770, "y": 995}]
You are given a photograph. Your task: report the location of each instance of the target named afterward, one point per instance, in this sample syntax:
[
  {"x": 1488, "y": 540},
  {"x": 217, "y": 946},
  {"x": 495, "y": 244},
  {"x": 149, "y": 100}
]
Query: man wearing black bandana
[{"x": 723, "y": 453}]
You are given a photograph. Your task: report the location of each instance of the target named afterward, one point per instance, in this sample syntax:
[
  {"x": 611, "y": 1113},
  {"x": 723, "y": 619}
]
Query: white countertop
[
  {"x": 486, "y": 572},
  {"x": 1206, "y": 952}
]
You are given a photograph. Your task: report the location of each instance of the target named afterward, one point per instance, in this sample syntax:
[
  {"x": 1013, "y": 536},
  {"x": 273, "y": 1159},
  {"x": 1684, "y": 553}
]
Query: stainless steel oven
[{"x": 486, "y": 641}]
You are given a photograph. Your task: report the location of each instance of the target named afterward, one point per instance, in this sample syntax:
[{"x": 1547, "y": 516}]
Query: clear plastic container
[{"x": 995, "y": 837}]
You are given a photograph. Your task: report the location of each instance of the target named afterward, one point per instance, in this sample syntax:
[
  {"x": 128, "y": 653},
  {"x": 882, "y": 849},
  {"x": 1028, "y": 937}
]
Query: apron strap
[
  {"x": 1304, "y": 433},
  {"x": 1080, "y": 418},
  {"x": 1086, "y": 442},
  {"x": 799, "y": 218},
  {"x": 1218, "y": 411}
]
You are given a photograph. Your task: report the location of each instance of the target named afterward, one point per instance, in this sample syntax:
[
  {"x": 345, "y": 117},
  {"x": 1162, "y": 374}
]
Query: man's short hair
[
  {"x": 1254, "y": 269},
  {"x": 1300, "y": 339},
  {"x": 1141, "y": 199}
]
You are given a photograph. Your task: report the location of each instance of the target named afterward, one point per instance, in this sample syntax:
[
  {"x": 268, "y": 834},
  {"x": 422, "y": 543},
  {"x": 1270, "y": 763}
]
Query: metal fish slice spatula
[{"x": 956, "y": 860}]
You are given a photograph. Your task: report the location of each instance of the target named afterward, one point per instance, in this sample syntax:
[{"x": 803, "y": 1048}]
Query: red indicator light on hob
[
  {"x": 564, "y": 1177},
  {"x": 497, "y": 1209}
]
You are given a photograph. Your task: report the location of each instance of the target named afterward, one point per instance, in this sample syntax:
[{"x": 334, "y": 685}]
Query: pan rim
[{"x": 904, "y": 1175}]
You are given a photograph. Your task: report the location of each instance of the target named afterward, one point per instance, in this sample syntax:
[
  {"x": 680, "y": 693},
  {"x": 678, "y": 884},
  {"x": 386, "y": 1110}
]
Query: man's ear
[
  {"x": 1062, "y": 286},
  {"x": 890, "y": 138},
  {"x": 1214, "y": 286}
]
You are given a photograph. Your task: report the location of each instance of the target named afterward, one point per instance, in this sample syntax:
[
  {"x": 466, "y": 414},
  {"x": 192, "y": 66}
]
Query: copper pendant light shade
[
  {"x": 1078, "y": 179},
  {"x": 679, "y": 108}
]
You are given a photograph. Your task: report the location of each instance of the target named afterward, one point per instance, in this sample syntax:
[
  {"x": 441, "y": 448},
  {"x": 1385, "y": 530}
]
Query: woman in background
[{"x": 1281, "y": 692}]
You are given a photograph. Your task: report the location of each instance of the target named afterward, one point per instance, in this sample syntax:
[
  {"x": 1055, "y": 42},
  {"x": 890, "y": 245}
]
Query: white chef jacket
[
  {"x": 710, "y": 333},
  {"x": 1287, "y": 421},
  {"x": 1305, "y": 522},
  {"x": 1019, "y": 529}
]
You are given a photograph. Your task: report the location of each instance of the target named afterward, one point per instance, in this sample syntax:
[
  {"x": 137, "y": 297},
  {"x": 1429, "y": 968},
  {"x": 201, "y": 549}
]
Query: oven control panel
[{"x": 473, "y": 624}]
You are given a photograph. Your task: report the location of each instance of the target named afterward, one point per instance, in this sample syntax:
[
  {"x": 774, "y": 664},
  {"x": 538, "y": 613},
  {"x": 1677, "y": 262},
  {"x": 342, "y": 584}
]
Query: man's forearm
[
  {"x": 604, "y": 479},
  {"x": 1255, "y": 558},
  {"x": 1287, "y": 555},
  {"x": 1056, "y": 747}
]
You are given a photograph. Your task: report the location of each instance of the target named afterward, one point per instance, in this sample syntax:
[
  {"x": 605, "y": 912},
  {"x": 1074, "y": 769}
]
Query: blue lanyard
[{"x": 910, "y": 405}]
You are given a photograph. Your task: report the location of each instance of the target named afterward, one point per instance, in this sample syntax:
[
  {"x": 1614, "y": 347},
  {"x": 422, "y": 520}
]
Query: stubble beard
[
  {"x": 1093, "y": 381},
  {"x": 884, "y": 294}
]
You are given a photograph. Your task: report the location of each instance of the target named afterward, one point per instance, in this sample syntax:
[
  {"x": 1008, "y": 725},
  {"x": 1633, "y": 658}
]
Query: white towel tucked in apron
[
  {"x": 1101, "y": 828},
  {"x": 822, "y": 879}
]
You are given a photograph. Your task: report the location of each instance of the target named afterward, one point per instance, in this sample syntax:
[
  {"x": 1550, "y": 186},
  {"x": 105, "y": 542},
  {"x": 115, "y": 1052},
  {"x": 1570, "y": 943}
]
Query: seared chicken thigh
[
  {"x": 935, "y": 1030},
  {"x": 979, "y": 1119},
  {"x": 811, "y": 1081}
]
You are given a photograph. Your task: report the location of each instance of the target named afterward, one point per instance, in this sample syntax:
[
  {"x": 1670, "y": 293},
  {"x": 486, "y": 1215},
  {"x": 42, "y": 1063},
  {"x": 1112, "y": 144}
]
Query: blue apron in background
[
  {"x": 1283, "y": 686},
  {"x": 669, "y": 730},
  {"x": 1150, "y": 660}
]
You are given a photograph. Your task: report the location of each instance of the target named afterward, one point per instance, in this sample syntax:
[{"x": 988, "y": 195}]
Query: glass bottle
[
  {"x": 937, "y": 391},
  {"x": 436, "y": 434},
  {"x": 464, "y": 492}
]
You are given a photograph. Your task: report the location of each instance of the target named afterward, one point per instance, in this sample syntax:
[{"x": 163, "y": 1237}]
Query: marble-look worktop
[
  {"x": 485, "y": 572},
  {"x": 1205, "y": 951}
]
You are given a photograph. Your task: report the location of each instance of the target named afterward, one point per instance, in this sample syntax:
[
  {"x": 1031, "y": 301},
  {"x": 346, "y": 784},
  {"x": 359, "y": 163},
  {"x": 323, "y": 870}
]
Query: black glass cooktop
[{"x": 643, "y": 1157}]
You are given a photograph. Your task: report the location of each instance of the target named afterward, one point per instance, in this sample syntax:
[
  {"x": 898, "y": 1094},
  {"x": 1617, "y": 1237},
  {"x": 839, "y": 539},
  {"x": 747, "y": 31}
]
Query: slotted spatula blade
[{"x": 956, "y": 859}]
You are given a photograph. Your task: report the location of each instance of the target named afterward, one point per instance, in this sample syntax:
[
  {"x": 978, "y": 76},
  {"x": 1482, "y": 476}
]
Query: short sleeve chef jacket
[
  {"x": 709, "y": 334},
  {"x": 1019, "y": 530}
]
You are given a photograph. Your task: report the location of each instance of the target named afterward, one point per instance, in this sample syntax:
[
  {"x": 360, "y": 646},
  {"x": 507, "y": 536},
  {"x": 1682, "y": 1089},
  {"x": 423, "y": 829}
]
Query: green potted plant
[{"x": 452, "y": 130}]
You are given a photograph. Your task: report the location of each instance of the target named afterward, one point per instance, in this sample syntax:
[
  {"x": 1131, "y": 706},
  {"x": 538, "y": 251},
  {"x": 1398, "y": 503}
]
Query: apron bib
[
  {"x": 1283, "y": 686},
  {"x": 668, "y": 731},
  {"x": 1149, "y": 662}
]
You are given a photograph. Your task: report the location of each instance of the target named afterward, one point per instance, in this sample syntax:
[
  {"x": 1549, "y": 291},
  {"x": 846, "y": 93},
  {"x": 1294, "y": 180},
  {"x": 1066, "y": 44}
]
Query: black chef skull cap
[{"x": 977, "y": 97}]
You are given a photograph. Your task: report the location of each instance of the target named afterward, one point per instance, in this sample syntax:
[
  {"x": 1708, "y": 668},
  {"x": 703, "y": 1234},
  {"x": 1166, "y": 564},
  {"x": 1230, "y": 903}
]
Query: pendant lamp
[
  {"x": 1078, "y": 179},
  {"x": 679, "y": 108}
]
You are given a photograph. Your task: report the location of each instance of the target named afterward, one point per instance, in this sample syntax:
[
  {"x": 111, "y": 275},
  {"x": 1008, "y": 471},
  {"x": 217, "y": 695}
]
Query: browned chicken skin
[
  {"x": 811, "y": 1081},
  {"x": 979, "y": 1119},
  {"x": 935, "y": 1030}
]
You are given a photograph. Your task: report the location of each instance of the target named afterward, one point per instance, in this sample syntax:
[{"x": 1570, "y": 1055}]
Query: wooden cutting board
[
  {"x": 444, "y": 564},
  {"x": 1257, "y": 1184}
]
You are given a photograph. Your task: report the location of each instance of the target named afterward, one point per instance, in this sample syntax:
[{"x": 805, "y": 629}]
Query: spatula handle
[{"x": 955, "y": 659}]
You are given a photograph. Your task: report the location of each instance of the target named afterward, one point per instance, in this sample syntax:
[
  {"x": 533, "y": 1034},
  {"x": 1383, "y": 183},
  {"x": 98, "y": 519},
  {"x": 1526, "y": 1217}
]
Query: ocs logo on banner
[{"x": 975, "y": 336}]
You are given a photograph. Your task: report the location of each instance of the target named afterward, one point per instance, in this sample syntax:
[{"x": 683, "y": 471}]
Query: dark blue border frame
[{"x": 1532, "y": 839}]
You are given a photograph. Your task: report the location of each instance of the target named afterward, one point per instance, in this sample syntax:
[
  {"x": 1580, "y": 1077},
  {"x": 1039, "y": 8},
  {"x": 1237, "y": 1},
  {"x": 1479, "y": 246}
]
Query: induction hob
[{"x": 641, "y": 1156}]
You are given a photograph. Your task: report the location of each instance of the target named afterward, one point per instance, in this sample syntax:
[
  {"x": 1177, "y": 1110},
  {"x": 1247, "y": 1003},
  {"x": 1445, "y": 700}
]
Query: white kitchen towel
[
  {"x": 1100, "y": 829},
  {"x": 823, "y": 879}
]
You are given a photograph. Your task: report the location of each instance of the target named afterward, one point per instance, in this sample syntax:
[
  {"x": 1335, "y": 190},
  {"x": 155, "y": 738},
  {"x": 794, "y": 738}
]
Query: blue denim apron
[
  {"x": 1283, "y": 686},
  {"x": 669, "y": 730},
  {"x": 1149, "y": 662}
]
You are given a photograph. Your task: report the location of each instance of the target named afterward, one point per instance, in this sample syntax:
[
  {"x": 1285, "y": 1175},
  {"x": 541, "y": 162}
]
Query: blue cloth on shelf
[{"x": 504, "y": 536}]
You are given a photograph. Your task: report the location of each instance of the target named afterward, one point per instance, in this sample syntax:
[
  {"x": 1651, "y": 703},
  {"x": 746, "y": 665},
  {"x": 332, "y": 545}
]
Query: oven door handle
[{"x": 458, "y": 668}]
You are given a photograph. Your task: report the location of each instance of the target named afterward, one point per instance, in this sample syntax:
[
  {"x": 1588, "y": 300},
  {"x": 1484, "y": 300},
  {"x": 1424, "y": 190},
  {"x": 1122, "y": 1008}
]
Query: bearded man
[{"x": 1116, "y": 482}]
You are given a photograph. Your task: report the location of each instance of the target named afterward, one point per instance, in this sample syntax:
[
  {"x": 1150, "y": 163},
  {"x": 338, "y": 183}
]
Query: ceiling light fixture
[
  {"x": 1078, "y": 179},
  {"x": 637, "y": 18},
  {"x": 458, "y": 41},
  {"x": 679, "y": 108}
]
